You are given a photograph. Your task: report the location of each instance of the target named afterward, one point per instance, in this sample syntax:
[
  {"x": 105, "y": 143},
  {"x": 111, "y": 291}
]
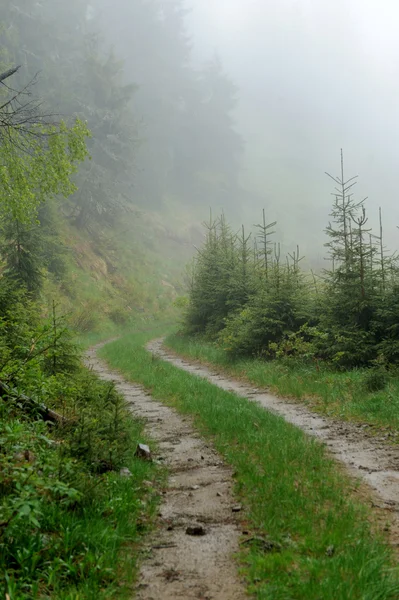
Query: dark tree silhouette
[{"x": 20, "y": 109}]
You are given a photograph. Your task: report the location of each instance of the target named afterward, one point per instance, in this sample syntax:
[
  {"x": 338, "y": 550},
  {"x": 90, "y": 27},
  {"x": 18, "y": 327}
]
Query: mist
[
  {"x": 313, "y": 77},
  {"x": 233, "y": 105}
]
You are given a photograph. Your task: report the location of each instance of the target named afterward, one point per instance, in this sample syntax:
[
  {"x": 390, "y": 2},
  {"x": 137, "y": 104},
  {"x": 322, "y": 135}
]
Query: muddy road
[{"x": 190, "y": 555}]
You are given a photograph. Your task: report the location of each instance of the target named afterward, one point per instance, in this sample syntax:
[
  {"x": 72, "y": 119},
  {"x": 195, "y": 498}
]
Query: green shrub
[{"x": 375, "y": 380}]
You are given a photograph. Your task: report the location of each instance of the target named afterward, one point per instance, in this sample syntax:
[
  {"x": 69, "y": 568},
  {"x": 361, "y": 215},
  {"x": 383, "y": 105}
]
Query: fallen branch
[{"x": 47, "y": 414}]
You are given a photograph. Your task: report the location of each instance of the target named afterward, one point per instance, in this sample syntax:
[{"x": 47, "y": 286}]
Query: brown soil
[
  {"x": 371, "y": 460},
  {"x": 198, "y": 498}
]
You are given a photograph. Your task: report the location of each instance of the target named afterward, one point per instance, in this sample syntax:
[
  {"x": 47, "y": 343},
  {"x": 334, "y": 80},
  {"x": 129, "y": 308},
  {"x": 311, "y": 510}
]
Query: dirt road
[
  {"x": 198, "y": 500},
  {"x": 364, "y": 456}
]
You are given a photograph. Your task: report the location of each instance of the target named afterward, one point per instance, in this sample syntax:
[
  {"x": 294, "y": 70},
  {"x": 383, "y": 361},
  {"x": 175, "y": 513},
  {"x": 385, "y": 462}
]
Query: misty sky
[{"x": 314, "y": 75}]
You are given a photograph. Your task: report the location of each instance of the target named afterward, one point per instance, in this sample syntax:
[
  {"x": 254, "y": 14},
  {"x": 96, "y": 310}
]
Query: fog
[
  {"x": 230, "y": 104},
  {"x": 314, "y": 76}
]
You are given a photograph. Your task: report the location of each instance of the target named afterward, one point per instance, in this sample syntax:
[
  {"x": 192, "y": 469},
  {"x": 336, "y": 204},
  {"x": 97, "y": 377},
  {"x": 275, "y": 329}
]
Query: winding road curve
[{"x": 364, "y": 456}]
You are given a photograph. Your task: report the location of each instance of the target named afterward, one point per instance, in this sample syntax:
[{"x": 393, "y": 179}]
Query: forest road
[
  {"x": 190, "y": 554},
  {"x": 368, "y": 458}
]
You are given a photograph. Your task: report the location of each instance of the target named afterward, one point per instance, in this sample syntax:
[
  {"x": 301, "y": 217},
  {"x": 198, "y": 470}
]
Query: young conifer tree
[{"x": 349, "y": 304}]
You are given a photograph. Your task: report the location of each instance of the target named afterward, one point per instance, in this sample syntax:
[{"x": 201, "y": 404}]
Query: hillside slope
[{"x": 127, "y": 273}]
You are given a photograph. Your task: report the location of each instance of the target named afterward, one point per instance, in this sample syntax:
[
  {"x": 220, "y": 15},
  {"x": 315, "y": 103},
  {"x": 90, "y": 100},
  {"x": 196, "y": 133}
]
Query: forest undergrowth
[{"x": 70, "y": 522}]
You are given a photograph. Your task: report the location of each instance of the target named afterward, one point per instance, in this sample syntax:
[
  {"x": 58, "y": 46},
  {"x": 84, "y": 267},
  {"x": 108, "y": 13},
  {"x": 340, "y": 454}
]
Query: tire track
[{"x": 198, "y": 496}]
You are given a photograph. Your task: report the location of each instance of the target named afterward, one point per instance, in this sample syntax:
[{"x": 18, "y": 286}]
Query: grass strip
[
  {"x": 332, "y": 393},
  {"x": 312, "y": 539}
]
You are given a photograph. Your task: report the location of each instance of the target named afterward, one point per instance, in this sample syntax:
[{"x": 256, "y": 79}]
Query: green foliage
[
  {"x": 143, "y": 103},
  {"x": 21, "y": 251},
  {"x": 269, "y": 318},
  {"x": 143, "y": 112},
  {"x": 254, "y": 303},
  {"x": 37, "y": 165},
  {"x": 62, "y": 526},
  {"x": 221, "y": 280},
  {"x": 59, "y": 491},
  {"x": 243, "y": 296}
]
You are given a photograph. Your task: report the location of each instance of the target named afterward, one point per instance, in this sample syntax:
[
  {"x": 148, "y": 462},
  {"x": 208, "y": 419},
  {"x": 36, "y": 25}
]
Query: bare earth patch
[
  {"x": 371, "y": 460},
  {"x": 191, "y": 554}
]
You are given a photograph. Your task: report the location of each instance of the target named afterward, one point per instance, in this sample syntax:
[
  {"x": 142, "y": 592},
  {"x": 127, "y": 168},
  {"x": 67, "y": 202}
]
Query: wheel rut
[
  {"x": 371, "y": 460},
  {"x": 198, "y": 498}
]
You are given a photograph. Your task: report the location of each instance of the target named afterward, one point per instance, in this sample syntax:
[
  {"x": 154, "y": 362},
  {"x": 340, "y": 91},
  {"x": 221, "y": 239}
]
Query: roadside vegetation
[
  {"x": 114, "y": 249},
  {"x": 330, "y": 339},
  {"x": 354, "y": 395},
  {"x": 69, "y": 521},
  {"x": 309, "y": 537}
]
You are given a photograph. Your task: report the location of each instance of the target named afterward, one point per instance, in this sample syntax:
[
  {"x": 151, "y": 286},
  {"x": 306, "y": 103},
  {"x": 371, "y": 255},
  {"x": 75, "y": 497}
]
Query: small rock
[
  {"x": 19, "y": 456},
  {"x": 195, "y": 487},
  {"x": 125, "y": 472},
  {"x": 196, "y": 530},
  {"x": 143, "y": 451},
  {"x": 266, "y": 545},
  {"x": 218, "y": 494},
  {"x": 171, "y": 575},
  {"x": 25, "y": 455},
  {"x": 237, "y": 508}
]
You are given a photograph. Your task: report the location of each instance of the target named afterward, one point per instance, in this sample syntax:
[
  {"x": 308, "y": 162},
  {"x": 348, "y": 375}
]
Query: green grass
[
  {"x": 295, "y": 497},
  {"x": 333, "y": 393},
  {"x": 157, "y": 326}
]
